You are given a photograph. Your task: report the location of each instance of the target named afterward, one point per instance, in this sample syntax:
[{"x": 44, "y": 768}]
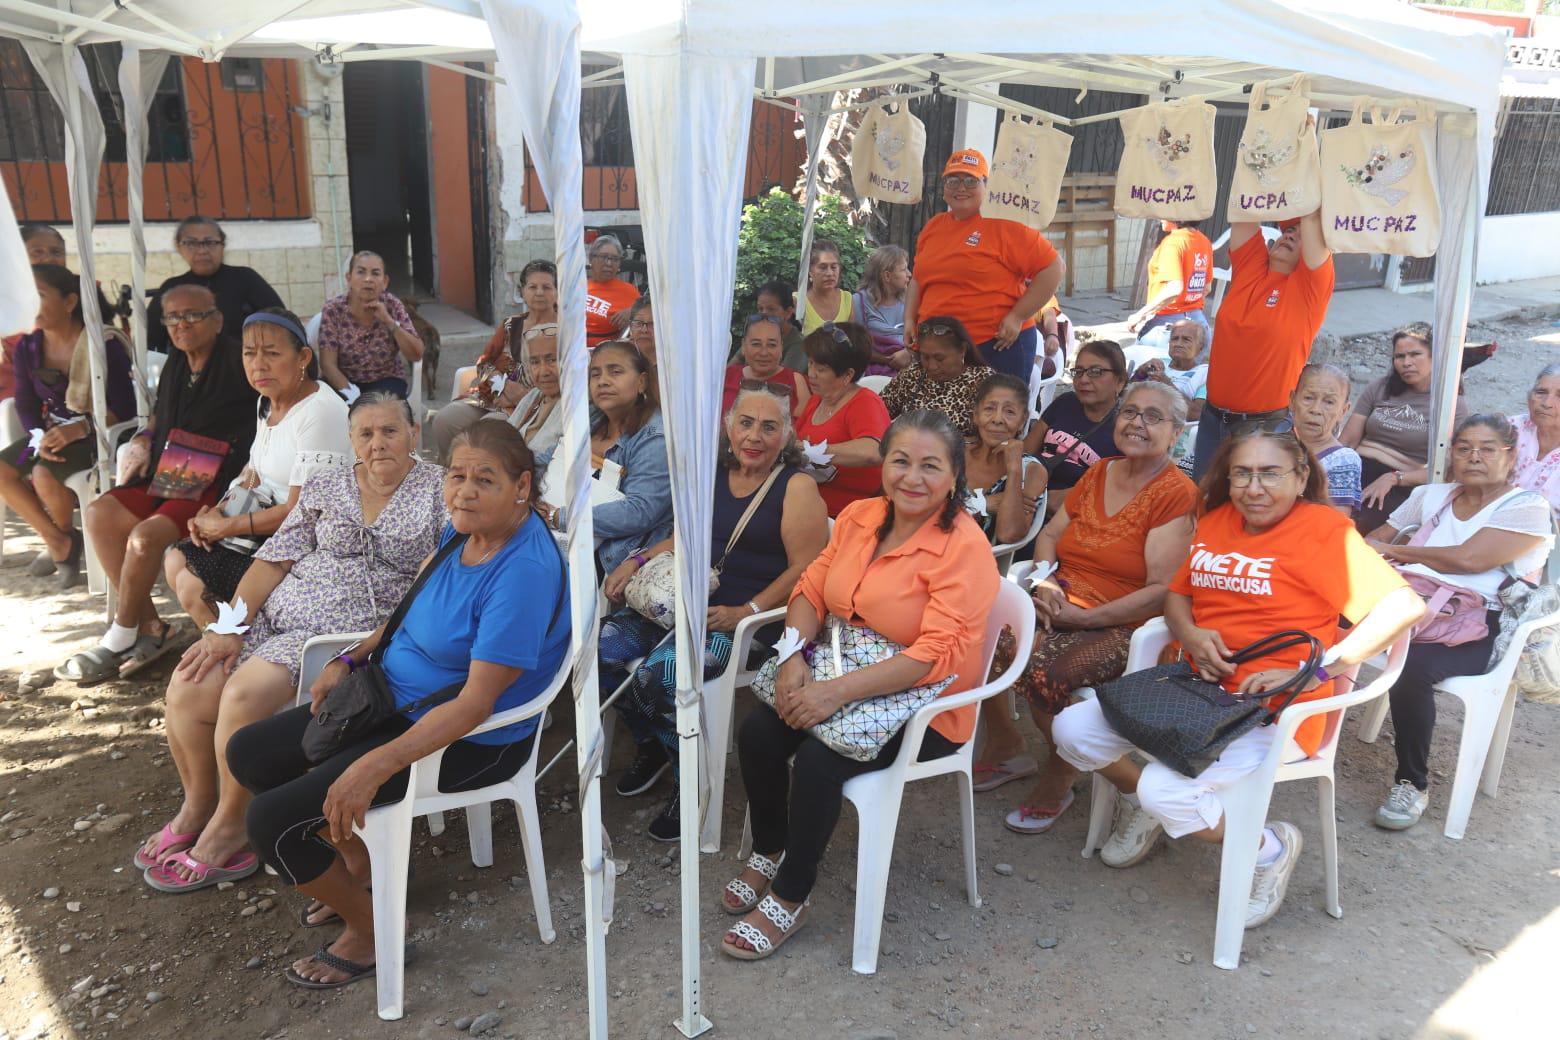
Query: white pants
[{"x": 1183, "y": 804}]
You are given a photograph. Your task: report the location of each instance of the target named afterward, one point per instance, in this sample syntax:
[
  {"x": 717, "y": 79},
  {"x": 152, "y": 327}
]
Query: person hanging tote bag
[
  {"x": 885, "y": 158},
  {"x": 1278, "y": 172},
  {"x": 1379, "y": 185},
  {"x": 1026, "y": 172},
  {"x": 1167, "y": 167}
]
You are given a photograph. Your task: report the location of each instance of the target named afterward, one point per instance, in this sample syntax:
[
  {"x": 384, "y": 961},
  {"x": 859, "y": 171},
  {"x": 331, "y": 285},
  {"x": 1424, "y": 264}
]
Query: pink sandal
[
  {"x": 167, "y": 844},
  {"x": 163, "y": 879},
  {"x": 1036, "y": 819},
  {"x": 991, "y": 777}
]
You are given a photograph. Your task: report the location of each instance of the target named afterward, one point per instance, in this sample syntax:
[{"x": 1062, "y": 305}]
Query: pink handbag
[{"x": 1453, "y": 615}]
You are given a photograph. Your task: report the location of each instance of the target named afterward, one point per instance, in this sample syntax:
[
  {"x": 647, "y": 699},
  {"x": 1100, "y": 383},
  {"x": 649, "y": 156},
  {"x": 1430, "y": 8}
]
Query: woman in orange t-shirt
[
  {"x": 1117, "y": 541},
  {"x": 607, "y": 297},
  {"x": 991, "y": 274},
  {"x": 915, "y": 567},
  {"x": 1269, "y": 554}
]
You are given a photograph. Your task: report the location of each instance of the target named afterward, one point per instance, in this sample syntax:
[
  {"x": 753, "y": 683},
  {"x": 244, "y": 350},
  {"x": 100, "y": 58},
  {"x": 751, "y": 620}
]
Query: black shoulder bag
[
  {"x": 362, "y": 701},
  {"x": 1054, "y": 461},
  {"x": 1171, "y": 713}
]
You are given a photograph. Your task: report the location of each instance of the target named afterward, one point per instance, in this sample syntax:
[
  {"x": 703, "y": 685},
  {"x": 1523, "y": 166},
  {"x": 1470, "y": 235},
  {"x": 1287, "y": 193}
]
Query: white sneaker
[
  {"x": 1134, "y": 835},
  {"x": 1269, "y": 883},
  {"x": 1404, "y": 806}
]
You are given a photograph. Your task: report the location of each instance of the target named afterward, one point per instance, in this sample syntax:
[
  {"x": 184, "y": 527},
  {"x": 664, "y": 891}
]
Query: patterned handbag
[
  {"x": 862, "y": 728},
  {"x": 1184, "y": 722}
]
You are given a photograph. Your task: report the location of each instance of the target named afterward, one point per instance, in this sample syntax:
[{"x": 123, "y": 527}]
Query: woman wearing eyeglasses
[
  {"x": 1116, "y": 543},
  {"x": 607, "y": 297},
  {"x": 993, "y": 275},
  {"x": 763, "y": 345},
  {"x": 847, "y": 417},
  {"x": 641, "y": 333},
  {"x": 1077, "y": 429},
  {"x": 196, "y": 441},
  {"x": 1253, "y": 570},
  {"x": 240, "y": 291},
  {"x": 944, "y": 376},
  {"x": 1474, "y": 533}
]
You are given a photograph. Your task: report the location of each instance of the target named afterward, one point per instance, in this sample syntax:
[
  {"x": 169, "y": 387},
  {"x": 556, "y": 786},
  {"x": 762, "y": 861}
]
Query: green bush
[{"x": 769, "y": 245}]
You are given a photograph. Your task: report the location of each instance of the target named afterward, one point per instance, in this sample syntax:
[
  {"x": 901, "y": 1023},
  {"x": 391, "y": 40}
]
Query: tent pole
[
  {"x": 65, "y": 17},
  {"x": 815, "y": 119},
  {"x": 1448, "y": 380},
  {"x": 81, "y": 173},
  {"x": 135, "y": 156}
]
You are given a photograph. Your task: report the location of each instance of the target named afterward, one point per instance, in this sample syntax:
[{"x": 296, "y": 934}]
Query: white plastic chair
[
  {"x": 1246, "y": 802},
  {"x": 84, "y": 485},
  {"x": 1005, "y": 551},
  {"x": 720, "y": 697},
  {"x": 877, "y": 795},
  {"x": 1042, "y": 391},
  {"x": 10, "y": 432},
  {"x": 874, "y": 383},
  {"x": 1489, "y": 702},
  {"x": 387, "y": 830},
  {"x": 154, "y": 366}
]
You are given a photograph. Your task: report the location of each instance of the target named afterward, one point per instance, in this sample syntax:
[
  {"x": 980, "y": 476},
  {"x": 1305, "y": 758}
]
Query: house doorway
[{"x": 387, "y": 167}]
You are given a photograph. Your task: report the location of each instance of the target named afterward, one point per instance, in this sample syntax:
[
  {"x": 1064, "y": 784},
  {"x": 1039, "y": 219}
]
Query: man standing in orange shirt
[
  {"x": 991, "y": 274},
  {"x": 1272, "y": 311},
  {"x": 1178, "y": 276}
]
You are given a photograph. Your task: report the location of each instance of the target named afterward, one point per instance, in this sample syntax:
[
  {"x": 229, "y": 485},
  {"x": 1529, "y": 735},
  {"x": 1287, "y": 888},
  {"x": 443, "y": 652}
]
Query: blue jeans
[
  {"x": 1017, "y": 359},
  {"x": 1212, "y": 428},
  {"x": 1164, "y": 321}
]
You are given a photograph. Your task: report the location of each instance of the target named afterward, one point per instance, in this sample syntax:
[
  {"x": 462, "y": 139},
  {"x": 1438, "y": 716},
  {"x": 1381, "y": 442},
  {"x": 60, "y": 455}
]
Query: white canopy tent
[{"x": 692, "y": 69}]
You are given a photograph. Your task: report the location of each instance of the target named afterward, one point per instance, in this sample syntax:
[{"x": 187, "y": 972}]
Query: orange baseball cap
[
  {"x": 968, "y": 161},
  {"x": 1285, "y": 225}
]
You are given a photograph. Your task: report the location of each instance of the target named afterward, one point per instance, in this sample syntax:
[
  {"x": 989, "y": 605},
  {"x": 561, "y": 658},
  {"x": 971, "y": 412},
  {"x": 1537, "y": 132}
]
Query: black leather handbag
[
  {"x": 1171, "y": 713},
  {"x": 362, "y": 701}
]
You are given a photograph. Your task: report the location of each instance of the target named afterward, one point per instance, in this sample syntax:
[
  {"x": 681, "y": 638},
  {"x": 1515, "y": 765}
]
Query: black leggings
[
  {"x": 285, "y": 817},
  {"x": 814, "y": 787},
  {"x": 1413, "y": 697},
  {"x": 1368, "y": 518}
]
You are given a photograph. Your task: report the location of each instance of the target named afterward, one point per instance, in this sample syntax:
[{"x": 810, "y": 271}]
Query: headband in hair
[{"x": 281, "y": 322}]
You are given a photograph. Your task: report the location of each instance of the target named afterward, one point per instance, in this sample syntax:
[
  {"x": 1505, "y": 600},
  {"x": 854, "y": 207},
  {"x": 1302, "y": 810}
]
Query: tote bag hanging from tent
[
  {"x": 1167, "y": 169},
  {"x": 1278, "y": 174},
  {"x": 1379, "y": 184},
  {"x": 885, "y": 158},
  {"x": 1026, "y": 172}
]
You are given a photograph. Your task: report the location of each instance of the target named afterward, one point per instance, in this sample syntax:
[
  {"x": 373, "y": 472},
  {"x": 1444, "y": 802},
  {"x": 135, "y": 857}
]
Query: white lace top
[
  {"x": 311, "y": 437},
  {"x": 1519, "y": 510}
]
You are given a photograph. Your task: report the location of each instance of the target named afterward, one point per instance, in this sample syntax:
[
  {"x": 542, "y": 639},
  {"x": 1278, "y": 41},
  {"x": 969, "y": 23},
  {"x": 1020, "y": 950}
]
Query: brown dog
[{"x": 430, "y": 338}]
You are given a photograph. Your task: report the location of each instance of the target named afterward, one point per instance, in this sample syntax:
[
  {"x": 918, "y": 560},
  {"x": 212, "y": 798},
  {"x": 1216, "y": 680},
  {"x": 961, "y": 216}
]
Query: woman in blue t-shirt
[
  {"x": 464, "y": 629},
  {"x": 1078, "y": 429}
]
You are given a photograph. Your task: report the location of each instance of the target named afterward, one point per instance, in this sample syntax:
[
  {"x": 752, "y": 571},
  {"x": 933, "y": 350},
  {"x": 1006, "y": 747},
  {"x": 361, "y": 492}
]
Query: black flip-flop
[{"x": 355, "y": 972}]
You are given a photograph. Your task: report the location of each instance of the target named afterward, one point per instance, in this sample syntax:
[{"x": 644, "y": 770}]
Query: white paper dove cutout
[
  {"x": 230, "y": 619},
  {"x": 976, "y": 502},
  {"x": 499, "y": 379},
  {"x": 1330, "y": 657},
  {"x": 817, "y": 454},
  {"x": 34, "y": 440},
  {"x": 1043, "y": 570},
  {"x": 790, "y": 642},
  {"x": 351, "y": 393}
]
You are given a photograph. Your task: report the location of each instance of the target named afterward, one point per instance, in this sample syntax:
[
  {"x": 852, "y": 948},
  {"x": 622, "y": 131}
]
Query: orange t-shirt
[
  {"x": 1262, "y": 335},
  {"x": 1185, "y": 256},
  {"x": 931, "y": 595},
  {"x": 602, "y": 300},
  {"x": 1302, "y": 573},
  {"x": 1101, "y": 556},
  {"x": 976, "y": 269}
]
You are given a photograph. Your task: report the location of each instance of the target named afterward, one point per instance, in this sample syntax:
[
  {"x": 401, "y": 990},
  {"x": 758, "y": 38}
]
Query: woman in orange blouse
[
  {"x": 1117, "y": 541},
  {"x": 915, "y": 567}
]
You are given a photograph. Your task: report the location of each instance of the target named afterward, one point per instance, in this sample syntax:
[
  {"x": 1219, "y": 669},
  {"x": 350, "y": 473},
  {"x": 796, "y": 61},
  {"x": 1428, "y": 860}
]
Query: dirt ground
[{"x": 1063, "y": 947}]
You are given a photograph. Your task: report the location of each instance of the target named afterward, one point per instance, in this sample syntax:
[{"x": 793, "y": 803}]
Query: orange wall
[{"x": 448, "y": 138}]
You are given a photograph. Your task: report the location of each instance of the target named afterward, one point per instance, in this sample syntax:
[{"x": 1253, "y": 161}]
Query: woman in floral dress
[{"x": 339, "y": 563}]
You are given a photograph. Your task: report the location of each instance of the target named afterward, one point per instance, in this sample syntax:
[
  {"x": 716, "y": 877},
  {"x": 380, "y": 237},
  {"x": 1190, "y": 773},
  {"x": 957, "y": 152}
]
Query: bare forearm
[
  {"x": 410, "y": 343},
  {"x": 440, "y": 728},
  {"x": 258, "y": 582},
  {"x": 863, "y": 451},
  {"x": 778, "y": 591},
  {"x": 899, "y": 672},
  {"x": 1386, "y": 621},
  {"x": 1139, "y": 605},
  {"x": 802, "y": 617}
]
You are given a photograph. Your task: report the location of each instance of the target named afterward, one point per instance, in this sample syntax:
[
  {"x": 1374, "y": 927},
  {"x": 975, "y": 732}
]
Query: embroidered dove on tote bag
[
  {"x": 1378, "y": 183},
  {"x": 1278, "y": 173},
  {"x": 1167, "y": 168},
  {"x": 1026, "y": 172},
  {"x": 885, "y": 157}
]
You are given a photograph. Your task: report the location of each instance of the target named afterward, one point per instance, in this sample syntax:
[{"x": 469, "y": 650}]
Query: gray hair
[
  {"x": 790, "y": 451},
  {"x": 380, "y": 397},
  {"x": 1202, "y": 337},
  {"x": 1549, "y": 371},
  {"x": 1495, "y": 422},
  {"x": 1175, "y": 401},
  {"x": 603, "y": 240}
]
